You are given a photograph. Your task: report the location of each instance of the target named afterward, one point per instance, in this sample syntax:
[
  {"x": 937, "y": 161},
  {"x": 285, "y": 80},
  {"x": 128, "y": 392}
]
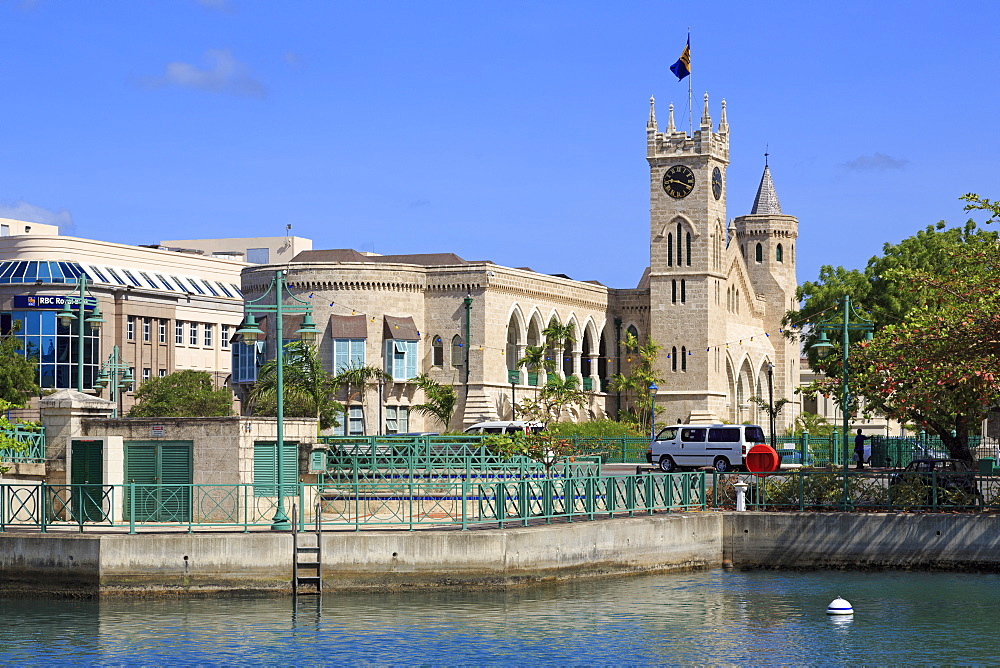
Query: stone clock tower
[{"x": 687, "y": 256}]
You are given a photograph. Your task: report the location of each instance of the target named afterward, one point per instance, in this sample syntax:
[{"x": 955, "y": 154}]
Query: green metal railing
[
  {"x": 867, "y": 491},
  {"x": 413, "y": 503},
  {"x": 33, "y": 440}
]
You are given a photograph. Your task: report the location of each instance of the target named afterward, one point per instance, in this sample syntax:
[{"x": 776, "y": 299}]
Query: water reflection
[{"x": 708, "y": 617}]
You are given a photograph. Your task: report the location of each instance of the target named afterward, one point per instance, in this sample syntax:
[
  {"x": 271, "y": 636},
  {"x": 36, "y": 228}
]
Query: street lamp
[
  {"x": 249, "y": 334},
  {"x": 652, "y": 411},
  {"x": 117, "y": 374},
  {"x": 513, "y": 376},
  {"x": 823, "y": 348},
  {"x": 770, "y": 404},
  {"x": 66, "y": 316}
]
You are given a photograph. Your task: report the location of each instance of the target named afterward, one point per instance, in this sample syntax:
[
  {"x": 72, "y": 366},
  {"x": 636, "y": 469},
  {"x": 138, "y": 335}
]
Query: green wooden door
[
  {"x": 162, "y": 473},
  {"x": 87, "y": 479}
]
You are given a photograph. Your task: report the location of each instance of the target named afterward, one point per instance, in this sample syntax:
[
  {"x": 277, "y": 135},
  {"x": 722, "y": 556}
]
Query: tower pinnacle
[
  {"x": 723, "y": 122},
  {"x": 766, "y": 202},
  {"x": 706, "y": 120},
  {"x": 670, "y": 121},
  {"x": 651, "y": 124}
]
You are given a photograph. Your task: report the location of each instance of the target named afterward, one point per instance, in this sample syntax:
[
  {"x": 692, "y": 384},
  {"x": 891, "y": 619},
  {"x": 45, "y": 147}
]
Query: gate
[
  {"x": 162, "y": 473},
  {"x": 87, "y": 477}
]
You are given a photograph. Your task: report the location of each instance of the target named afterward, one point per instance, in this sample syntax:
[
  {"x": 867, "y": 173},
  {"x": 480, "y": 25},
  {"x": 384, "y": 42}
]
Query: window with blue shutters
[
  {"x": 348, "y": 353},
  {"x": 246, "y": 361},
  {"x": 401, "y": 359},
  {"x": 353, "y": 424}
]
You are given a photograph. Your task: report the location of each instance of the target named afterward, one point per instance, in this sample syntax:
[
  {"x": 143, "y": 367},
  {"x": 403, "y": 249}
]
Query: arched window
[
  {"x": 673, "y": 291},
  {"x": 673, "y": 358},
  {"x": 457, "y": 351},
  {"x": 759, "y": 253},
  {"x": 670, "y": 250},
  {"x": 736, "y": 301},
  {"x": 437, "y": 351},
  {"x": 680, "y": 255},
  {"x": 683, "y": 291},
  {"x": 688, "y": 249},
  {"x": 635, "y": 334},
  {"x": 684, "y": 358},
  {"x": 778, "y": 255}
]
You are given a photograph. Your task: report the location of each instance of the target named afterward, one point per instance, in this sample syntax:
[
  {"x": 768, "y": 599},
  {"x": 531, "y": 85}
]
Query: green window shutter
[
  {"x": 265, "y": 470},
  {"x": 403, "y": 419},
  {"x": 341, "y": 357},
  {"x": 140, "y": 464},
  {"x": 175, "y": 464},
  {"x": 411, "y": 360},
  {"x": 357, "y": 352}
]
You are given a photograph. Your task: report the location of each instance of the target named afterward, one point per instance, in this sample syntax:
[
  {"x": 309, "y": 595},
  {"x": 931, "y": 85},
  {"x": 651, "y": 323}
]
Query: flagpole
[{"x": 690, "y": 91}]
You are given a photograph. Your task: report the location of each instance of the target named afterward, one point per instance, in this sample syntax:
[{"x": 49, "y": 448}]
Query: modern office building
[{"x": 166, "y": 310}]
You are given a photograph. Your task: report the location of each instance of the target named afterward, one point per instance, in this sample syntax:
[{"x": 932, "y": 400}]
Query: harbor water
[{"x": 717, "y": 617}]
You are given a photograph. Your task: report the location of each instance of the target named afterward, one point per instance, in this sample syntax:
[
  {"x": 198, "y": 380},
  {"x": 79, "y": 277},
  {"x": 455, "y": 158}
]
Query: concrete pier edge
[{"x": 58, "y": 564}]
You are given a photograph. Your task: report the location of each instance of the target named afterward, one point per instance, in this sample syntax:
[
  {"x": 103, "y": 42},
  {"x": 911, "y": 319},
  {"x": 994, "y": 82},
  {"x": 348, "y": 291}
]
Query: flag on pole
[{"x": 682, "y": 67}]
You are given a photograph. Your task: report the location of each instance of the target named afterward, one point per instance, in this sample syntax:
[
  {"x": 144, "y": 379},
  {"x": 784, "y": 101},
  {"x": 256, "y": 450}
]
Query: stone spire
[
  {"x": 670, "y": 121},
  {"x": 723, "y": 122},
  {"x": 651, "y": 123},
  {"x": 706, "y": 120},
  {"x": 766, "y": 202}
]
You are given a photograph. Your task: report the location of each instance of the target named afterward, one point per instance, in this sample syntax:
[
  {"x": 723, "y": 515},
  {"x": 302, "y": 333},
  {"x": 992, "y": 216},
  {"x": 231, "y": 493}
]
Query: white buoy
[{"x": 839, "y": 607}]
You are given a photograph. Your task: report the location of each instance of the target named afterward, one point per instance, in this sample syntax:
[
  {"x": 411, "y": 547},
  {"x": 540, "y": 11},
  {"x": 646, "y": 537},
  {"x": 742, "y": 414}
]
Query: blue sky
[{"x": 509, "y": 131}]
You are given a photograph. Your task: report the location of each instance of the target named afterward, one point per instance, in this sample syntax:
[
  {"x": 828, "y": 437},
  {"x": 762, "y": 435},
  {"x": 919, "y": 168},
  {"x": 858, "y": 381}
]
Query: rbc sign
[{"x": 42, "y": 301}]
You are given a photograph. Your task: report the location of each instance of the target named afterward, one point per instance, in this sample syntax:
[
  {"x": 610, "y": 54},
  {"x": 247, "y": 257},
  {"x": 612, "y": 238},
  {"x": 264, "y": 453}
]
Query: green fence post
[
  {"x": 803, "y": 447},
  {"x": 41, "y": 505},
  {"x": 802, "y": 490},
  {"x": 501, "y": 503},
  {"x": 465, "y": 503},
  {"x": 246, "y": 508},
  {"x": 934, "y": 490},
  {"x": 650, "y": 493},
  {"x": 630, "y": 495},
  {"x": 701, "y": 490},
  {"x": 131, "y": 507}
]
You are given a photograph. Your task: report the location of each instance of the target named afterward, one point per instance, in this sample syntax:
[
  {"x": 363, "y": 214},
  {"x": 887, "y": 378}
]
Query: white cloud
[
  {"x": 293, "y": 60},
  {"x": 876, "y": 162},
  {"x": 224, "y": 74},
  {"x": 22, "y": 210}
]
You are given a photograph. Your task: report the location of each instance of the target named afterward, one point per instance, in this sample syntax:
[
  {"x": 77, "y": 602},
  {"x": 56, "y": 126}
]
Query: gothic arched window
[
  {"x": 683, "y": 291},
  {"x": 457, "y": 351},
  {"x": 684, "y": 359},
  {"x": 673, "y": 291},
  {"x": 673, "y": 358},
  {"x": 688, "y": 249},
  {"x": 670, "y": 250},
  {"x": 437, "y": 347},
  {"x": 778, "y": 254},
  {"x": 680, "y": 254},
  {"x": 759, "y": 253}
]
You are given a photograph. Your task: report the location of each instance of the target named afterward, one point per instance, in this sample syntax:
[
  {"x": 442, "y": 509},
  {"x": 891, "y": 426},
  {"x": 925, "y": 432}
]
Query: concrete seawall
[{"x": 118, "y": 564}]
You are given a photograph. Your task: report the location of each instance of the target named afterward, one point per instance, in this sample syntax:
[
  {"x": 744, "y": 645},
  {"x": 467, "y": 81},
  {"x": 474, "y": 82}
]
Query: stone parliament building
[{"x": 713, "y": 297}]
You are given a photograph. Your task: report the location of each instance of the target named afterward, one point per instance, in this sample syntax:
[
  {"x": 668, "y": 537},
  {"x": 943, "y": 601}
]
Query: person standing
[{"x": 859, "y": 448}]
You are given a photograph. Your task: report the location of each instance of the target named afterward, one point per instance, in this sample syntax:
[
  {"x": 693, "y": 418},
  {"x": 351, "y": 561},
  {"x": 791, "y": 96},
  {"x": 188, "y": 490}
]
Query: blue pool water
[{"x": 716, "y": 617}]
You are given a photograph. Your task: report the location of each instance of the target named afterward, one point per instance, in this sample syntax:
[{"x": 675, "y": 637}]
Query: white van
[
  {"x": 722, "y": 446},
  {"x": 506, "y": 427}
]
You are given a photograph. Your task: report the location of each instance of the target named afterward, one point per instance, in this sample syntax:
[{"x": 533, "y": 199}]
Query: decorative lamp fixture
[
  {"x": 307, "y": 332},
  {"x": 250, "y": 332}
]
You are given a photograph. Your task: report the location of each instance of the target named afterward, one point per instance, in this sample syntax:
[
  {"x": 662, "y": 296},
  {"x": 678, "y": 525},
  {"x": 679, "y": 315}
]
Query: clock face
[
  {"x": 678, "y": 181},
  {"x": 717, "y": 183}
]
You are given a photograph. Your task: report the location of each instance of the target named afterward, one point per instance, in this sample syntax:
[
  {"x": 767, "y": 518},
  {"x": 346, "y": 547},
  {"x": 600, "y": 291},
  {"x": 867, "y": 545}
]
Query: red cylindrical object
[{"x": 762, "y": 459}]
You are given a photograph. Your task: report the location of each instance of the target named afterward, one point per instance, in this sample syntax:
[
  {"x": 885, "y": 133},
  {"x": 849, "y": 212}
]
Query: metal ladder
[{"x": 308, "y": 558}]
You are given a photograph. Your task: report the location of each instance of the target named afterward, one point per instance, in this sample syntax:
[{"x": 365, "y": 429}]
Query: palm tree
[
  {"x": 359, "y": 377},
  {"x": 309, "y": 389},
  {"x": 534, "y": 360},
  {"x": 440, "y": 400},
  {"x": 557, "y": 336}
]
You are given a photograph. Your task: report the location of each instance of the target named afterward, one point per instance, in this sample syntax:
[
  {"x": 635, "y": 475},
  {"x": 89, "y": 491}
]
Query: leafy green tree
[
  {"x": 533, "y": 360},
  {"x": 977, "y": 203},
  {"x": 439, "y": 400},
  {"x": 812, "y": 424},
  {"x": 594, "y": 429},
  {"x": 187, "y": 393},
  {"x": 553, "y": 399},
  {"x": 635, "y": 383},
  {"x": 18, "y": 374},
  {"x": 884, "y": 291},
  {"x": 544, "y": 448},
  {"x": 940, "y": 368},
  {"x": 357, "y": 379},
  {"x": 309, "y": 389}
]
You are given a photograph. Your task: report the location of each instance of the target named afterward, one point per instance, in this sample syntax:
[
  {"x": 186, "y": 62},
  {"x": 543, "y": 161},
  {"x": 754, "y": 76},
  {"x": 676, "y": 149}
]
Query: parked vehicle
[
  {"x": 955, "y": 480},
  {"x": 506, "y": 427},
  {"x": 722, "y": 446}
]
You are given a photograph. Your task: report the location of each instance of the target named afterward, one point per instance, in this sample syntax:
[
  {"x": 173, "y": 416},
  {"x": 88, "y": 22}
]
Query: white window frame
[
  {"x": 179, "y": 333},
  {"x": 348, "y": 353},
  {"x": 209, "y": 338},
  {"x": 192, "y": 333},
  {"x": 147, "y": 329},
  {"x": 224, "y": 341},
  {"x": 130, "y": 328},
  {"x": 162, "y": 330}
]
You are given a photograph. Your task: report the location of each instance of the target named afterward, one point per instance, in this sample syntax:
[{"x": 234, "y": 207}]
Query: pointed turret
[
  {"x": 651, "y": 123},
  {"x": 723, "y": 122},
  {"x": 671, "y": 128},
  {"x": 766, "y": 203},
  {"x": 706, "y": 119}
]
